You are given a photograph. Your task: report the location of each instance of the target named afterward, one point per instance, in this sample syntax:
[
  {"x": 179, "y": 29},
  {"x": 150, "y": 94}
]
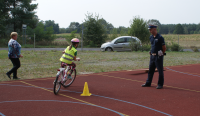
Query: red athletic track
[{"x": 179, "y": 97}]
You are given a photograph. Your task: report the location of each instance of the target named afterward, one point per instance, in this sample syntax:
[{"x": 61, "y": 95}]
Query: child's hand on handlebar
[
  {"x": 63, "y": 51},
  {"x": 78, "y": 59}
]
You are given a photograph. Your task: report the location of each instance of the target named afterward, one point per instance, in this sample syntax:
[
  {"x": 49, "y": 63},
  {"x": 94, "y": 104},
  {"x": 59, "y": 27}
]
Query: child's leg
[
  {"x": 61, "y": 65},
  {"x": 73, "y": 67}
]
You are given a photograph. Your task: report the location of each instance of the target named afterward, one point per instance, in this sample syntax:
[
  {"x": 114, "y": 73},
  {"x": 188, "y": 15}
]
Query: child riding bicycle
[{"x": 69, "y": 54}]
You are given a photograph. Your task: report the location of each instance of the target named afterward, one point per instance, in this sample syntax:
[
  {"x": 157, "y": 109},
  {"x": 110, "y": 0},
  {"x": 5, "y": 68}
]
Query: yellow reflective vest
[{"x": 68, "y": 56}]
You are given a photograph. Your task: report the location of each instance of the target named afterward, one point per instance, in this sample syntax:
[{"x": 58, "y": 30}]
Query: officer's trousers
[{"x": 155, "y": 61}]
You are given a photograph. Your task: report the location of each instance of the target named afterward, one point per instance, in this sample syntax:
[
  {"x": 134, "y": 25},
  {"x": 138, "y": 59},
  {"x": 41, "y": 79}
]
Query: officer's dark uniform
[{"x": 155, "y": 60}]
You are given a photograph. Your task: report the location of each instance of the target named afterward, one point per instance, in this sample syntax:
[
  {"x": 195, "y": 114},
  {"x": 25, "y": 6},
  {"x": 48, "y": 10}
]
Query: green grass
[{"x": 41, "y": 64}]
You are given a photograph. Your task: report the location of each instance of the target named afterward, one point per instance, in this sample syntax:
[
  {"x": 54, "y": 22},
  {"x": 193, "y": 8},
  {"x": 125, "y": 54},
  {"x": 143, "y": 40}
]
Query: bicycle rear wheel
[
  {"x": 57, "y": 83},
  {"x": 68, "y": 82}
]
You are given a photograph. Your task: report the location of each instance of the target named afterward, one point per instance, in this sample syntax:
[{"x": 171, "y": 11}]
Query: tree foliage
[
  {"x": 62, "y": 30},
  {"x": 55, "y": 26},
  {"x": 94, "y": 32},
  {"x": 20, "y": 12},
  {"x": 73, "y": 26},
  {"x": 42, "y": 33},
  {"x": 72, "y": 35},
  {"x": 188, "y": 28},
  {"x": 108, "y": 26},
  {"x": 123, "y": 31},
  {"x": 113, "y": 34},
  {"x": 179, "y": 29},
  {"x": 138, "y": 28},
  {"x": 14, "y": 13},
  {"x": 3, "y": 15}
]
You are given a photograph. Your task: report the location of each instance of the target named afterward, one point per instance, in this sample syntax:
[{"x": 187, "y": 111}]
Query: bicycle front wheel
[
  {"x": 68, "y": 82},
  {"x": 57, "y": 83}
]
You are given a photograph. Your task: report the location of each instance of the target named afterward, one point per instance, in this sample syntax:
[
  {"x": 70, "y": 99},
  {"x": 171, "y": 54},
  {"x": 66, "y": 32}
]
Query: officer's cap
[{"x": 152, "y": 26}]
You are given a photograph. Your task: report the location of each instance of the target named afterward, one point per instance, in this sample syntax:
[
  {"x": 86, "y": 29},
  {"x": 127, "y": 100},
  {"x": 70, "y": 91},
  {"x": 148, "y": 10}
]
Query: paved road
[{"x": 60, "y": 49}]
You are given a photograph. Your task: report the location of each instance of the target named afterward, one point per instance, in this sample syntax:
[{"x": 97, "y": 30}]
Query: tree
[
  {"x": 198, "y": 27},
  {"x": 123, "y": 31},
  {"x": 185, "y": 30},
  {"x": 164, "y": 29},
  {"x": 139, "y": 29},
  {"x": 72, "y": 35},
  {"x": 94, "y": 32},
  {"x": 2, "y": 25},
  {"x": 113, "y": 34},
  {"x": 171, "y": 28},
  {"x": 39, "y": 32},
  {"x": 42, "y": 33},
  {"x": 3, "y": 16},
  {"x": 108, "y": 26},
  {"x": 74, "y": 26},
  {"x": 179, "y": 29},
  {"x": 19, "y": 12},
  {"x": 167, "y": 28},
  {"x": 62, "y": 30},
  {"x": 55, "y": 26},
  {"x": 188, "y": 28}
]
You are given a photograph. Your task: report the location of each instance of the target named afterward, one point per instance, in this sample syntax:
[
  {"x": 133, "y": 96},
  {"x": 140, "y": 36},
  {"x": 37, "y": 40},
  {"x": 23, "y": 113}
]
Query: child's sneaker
[{"x": 69, "y": 77}]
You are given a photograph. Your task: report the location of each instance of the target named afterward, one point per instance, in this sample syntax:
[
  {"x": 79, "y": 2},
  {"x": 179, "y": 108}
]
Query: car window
[
  {"x": 126, "y": 39},
  {"x": 121, "y": 40},
  {"x": 131, "y": 39}
]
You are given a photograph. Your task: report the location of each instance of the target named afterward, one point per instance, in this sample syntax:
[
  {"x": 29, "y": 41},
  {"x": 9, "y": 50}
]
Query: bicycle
[{"x": 61, "y": 77}]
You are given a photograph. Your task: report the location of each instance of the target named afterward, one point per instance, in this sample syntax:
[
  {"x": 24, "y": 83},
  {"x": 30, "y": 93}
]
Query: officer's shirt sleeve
[{"x": 162, "y": 41}]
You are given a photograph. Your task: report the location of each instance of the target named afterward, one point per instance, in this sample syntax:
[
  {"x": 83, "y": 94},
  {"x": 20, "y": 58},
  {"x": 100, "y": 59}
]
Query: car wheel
[{"x": 109, "y": 49}]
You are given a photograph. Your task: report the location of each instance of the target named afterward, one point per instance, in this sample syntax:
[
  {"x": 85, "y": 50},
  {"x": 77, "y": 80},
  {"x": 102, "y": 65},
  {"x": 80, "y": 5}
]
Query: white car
[{"x": 121, "y": 43}]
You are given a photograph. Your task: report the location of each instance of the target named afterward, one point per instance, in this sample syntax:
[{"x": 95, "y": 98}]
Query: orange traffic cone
[{"x": 86, "y": 90}]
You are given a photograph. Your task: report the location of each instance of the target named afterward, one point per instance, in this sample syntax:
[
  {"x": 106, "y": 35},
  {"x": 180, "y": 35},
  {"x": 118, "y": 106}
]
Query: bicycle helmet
[{"x": 75, "y": 40}]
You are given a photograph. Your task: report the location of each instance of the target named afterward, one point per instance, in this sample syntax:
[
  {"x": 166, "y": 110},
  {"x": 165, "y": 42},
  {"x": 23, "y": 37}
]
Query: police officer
[{"x": 158, "y": 48}]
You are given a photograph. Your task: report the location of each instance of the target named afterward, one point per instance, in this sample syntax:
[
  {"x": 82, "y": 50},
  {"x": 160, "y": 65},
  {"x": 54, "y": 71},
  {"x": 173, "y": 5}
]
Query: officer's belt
[{"x": 154, "y": 54}]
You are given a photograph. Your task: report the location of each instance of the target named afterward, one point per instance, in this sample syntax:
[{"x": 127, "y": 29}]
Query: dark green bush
[
  {"x": 145, "y": 48},
  {"x": 194, "y": 48},
  {"x": 175, "y": 47},
  {"x": 135, "y": 46},
  {"x": 168, "y": 46},
  {"x": 4, "y": 42}
]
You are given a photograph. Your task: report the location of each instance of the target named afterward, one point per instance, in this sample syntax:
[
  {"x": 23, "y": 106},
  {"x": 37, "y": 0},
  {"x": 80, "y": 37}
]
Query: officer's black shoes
[
  {"x": 8, "y": 75},
  {"x": 145, "y": 85},
  {"x": 159, "y": 87},
  {"x": 16, "y": 78}
]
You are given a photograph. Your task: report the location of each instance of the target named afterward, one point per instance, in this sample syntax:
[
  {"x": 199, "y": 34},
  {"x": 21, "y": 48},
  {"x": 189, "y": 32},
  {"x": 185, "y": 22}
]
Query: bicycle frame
[
  {"x": 62, "y": 77},
  {"x": 64, "y": 71}
]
